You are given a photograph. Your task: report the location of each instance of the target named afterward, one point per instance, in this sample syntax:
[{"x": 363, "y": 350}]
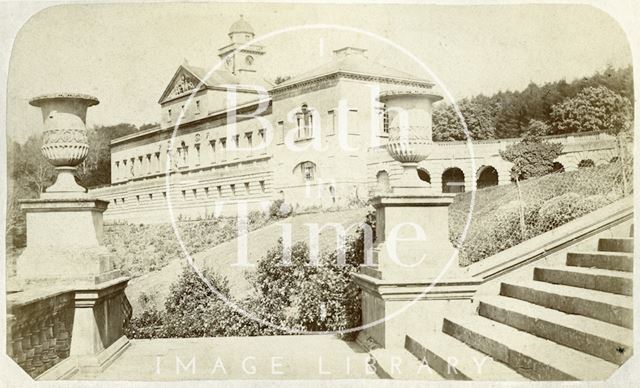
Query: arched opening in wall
[
  {"x": 586, "y": 163},
  {"x": 558, "y": 167},
  {"x": 332, "y": 191},
  {"x": 424, "y": 175},
  {"x": 614, "y": 159},
  {"x": 453, "y": 180},
  {"x": 382, "y": 182},
  {"x": 306, "y": 171},
  {"x": 487, "y": 176}
]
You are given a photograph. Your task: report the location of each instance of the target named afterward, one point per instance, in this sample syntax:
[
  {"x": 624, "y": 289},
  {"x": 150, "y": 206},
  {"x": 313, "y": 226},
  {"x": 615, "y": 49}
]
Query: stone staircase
[{"x": 570, "y": 322}]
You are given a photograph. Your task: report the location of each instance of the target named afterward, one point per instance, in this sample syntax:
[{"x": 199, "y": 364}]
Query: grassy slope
[{"x": 220, "y": 258}]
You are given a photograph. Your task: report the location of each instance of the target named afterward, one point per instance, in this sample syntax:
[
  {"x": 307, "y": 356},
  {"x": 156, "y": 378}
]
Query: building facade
[{"x": 227, "y": 136}]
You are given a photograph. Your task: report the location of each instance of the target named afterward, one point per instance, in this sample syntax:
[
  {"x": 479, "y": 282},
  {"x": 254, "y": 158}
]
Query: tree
[
  {"x": 593, "y": 109},
  {"x": 478, "y": 115},
  {"x": 532, "y": 156}
]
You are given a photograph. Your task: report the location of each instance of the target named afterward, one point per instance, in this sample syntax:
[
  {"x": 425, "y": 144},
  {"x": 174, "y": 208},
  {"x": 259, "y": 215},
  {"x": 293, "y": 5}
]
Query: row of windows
[
  {"x": 196, "y": 110},
  {"x": 204, "y": 193}
]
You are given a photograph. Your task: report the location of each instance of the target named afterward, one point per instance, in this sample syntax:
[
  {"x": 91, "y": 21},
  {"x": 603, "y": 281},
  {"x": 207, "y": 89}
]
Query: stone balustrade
[{"x": 39, "y": 330}]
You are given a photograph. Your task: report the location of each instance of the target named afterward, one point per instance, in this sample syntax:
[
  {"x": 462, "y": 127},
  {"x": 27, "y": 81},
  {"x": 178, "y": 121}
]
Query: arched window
[
  {"x": 306, "y": 170},
  {"x": 586, "y": 163},
  {"x": 332, "y": 191},
  {"x": 382, "y": 182},
  {"x": 453, "y": 180},
  {"x": 424, "y": 175},
  {"x": 487, "y": 176}
]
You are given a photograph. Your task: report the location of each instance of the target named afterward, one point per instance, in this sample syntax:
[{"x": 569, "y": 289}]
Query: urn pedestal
[
  {"x": 415, "y": 276},
  {"x": 65, "y": 251}
]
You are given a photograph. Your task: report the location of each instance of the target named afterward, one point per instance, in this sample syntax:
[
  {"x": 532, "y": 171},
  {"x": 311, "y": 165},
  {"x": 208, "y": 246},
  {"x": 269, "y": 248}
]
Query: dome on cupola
[{"x": 241, "y": 27}]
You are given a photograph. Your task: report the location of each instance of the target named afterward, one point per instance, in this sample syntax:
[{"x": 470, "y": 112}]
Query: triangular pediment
[{"x": 184, "y": 81}]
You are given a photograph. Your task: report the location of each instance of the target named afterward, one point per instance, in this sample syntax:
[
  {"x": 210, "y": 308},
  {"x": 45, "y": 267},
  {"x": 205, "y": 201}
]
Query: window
[
  {"x": 184, "y": 194},
  {"x": 307, "y": 170},
  {"x": 183, "y": 153},
  {"x": 122, "y": 200},
  {"x": 304, "y": 121},
  {"x": 219, "y": 188},
  {"x": 385, "y": 119},
  {"x": 164, "y": 195},
  {"x": 133, "y": 165},
  {"x": 246, "y": 188},
  {"x": 150, "y": 196},
  {"x": 138, "y": 199},
  {"x": 249, "y": 137},
  {"x": 223, "y": 147},
  {"x": 197, "y": 147},
  {"x": 148, "y": 164},
  {"x": 262, "y": 188},
  {"x": 115, "y": 201},
  {"x": 157, "y": 161},
  {"x": 280, "y": 133},
  {"x": 206, "y": 192},
  {"x": 332, "y": 123},
  {"x": 353, "y": 121},
  {"x": 233, "y": 189},
  {"x": 169, "y": 115},
  {"x": 195, "y": 193},
  {"x": 197, "y": 106},
  {"x": 212, "y": 150},
  {"x": 236, "y": 144}
]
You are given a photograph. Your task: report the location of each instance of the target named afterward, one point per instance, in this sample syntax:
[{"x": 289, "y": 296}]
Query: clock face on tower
[{"x": 249, "y": 60}]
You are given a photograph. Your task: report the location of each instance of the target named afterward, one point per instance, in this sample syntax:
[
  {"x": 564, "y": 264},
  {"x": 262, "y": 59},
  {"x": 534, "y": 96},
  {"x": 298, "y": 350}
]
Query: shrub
[
  {"x": 547, "y": 202},
  {"x": 279, "y": 209},
  {"x": 193, "y": 309},
  {"x": 567, "y": 207},
  {"x": 297, "y": 296}
]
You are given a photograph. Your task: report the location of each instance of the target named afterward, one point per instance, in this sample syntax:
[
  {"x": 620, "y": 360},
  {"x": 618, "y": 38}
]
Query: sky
[{"x": 125, "y": 54}]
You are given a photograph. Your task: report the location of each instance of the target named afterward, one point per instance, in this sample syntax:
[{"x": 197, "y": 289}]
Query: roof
[
  {"x": 352, "y": 60},
  {"x": 241, "y": 25},
  {"x": 217, "y": 78}
]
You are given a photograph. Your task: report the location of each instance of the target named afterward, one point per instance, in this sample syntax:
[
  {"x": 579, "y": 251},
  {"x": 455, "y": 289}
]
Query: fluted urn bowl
[
  {"x": 64, "y": 141},
  {"x": 411, "y": 145}
]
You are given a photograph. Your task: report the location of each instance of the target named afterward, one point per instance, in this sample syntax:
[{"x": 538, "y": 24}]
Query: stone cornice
[{"x": 355, "y": 76}]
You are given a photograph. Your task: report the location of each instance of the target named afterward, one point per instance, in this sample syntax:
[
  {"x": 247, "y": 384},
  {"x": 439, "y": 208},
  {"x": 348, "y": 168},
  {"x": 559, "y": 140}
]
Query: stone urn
[
  {"x": 410, "y": 130},
  {"x": 64, "y": 141}
]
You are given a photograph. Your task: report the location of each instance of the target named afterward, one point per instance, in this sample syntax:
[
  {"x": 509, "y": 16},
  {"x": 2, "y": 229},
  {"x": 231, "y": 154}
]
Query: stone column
[
  {"x": 414, "y": 277},
  {"x": 64, "y": 250}
]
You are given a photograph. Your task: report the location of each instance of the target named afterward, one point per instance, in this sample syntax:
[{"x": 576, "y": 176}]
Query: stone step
[
  {"x": 399, "y": 364},
  {"x": 624, "y": 244},
  {"x": 531, "y": 356},
  {"x": 454, "y": 360},
  {"x": 609, "y": 342},
  {"x": 604, "y": 306},
  {"x": 616, "y": 261},
  {"x": 616, "y": 282}
]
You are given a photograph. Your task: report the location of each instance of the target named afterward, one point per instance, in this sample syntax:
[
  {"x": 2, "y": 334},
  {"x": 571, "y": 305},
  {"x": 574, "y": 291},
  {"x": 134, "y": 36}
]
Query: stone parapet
[{"x": 39, "y": 329}]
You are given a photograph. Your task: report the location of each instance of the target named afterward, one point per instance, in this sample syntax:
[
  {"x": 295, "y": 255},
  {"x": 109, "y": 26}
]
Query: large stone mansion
[{"x": 293, "y": 157}]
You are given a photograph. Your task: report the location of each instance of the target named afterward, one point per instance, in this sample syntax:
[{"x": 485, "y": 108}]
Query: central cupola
[{"x": 239, "y": 59}]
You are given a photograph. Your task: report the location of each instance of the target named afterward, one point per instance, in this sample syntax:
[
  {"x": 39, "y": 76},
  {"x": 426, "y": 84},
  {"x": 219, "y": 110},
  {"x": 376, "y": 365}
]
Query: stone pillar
[
  {"x": 414, "y": 278},
  {"x": 64, "y": 250}
]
